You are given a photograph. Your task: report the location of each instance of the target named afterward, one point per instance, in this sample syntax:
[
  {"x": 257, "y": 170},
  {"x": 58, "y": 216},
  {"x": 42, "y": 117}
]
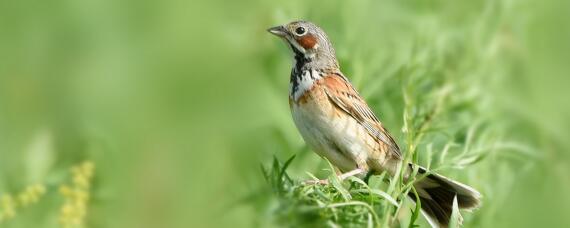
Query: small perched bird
[{"x": 335, "y": 121}]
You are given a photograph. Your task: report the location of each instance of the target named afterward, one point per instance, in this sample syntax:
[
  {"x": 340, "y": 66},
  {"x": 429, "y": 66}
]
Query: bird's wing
[{"x": 341, "y": 93}]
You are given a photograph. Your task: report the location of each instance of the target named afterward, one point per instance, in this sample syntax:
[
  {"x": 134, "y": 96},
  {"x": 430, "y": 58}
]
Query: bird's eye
[{"x": 300, "y": 31}]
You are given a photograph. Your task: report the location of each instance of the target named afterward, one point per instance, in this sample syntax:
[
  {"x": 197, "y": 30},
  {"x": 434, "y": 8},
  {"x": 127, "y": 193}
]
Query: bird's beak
[{"x": 279, "y": 31}]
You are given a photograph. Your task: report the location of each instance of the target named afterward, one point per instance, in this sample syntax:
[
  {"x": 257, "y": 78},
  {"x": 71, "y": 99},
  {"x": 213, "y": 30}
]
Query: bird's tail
[{"x": 436, "y": 194}]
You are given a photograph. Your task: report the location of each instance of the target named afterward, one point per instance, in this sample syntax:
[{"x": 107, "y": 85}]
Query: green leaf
[
  {"x": 40, "y": 156},
  {"x": 417, "y": 210},
  {"x": 264, "y": 172},
  {"x": 283, "y": 173},
  {"x": 455, "y": 220},
  {"x": 336, "y": 183}
]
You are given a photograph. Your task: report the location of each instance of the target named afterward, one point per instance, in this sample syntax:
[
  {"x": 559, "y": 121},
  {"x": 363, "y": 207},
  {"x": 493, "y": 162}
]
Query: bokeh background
[{"x": 177, "y": 103}]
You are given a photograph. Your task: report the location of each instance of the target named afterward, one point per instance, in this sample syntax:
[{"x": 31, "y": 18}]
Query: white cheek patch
[{"x": 297, "y": 46}]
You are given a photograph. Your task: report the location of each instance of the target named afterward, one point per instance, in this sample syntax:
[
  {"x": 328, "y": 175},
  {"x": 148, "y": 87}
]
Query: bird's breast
[{"x": 329, "y": 131}]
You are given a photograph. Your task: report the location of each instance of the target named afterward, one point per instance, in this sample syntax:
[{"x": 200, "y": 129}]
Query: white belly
[{"x": 337, "y": 137}]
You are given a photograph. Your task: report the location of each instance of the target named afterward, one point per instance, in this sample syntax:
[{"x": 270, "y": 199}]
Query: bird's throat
[
  {"x": 302, "y": 81},
  {"x": 303, "y": 76}
]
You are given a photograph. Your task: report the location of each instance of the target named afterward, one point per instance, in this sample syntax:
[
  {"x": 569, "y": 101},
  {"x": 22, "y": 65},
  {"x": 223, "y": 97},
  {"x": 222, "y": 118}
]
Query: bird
[{"x": 337, "y": 124}]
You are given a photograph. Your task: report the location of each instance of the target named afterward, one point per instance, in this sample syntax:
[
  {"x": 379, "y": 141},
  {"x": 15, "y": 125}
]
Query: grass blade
[{"x": 455, "y": 220}]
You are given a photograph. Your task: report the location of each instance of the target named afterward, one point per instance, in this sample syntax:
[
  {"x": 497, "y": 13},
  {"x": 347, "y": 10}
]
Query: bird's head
[{"x": 308, "y": 42}]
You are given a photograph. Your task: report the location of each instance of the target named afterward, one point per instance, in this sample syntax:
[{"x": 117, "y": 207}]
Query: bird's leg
[
  {"x": 313, "y": 182},
  {"x": 341, "y": 177},
  {"x": 350, "y": 173}
]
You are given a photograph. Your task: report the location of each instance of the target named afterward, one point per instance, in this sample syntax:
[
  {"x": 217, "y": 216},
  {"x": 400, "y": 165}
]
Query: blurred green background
[{"x": 177, "y": 103}]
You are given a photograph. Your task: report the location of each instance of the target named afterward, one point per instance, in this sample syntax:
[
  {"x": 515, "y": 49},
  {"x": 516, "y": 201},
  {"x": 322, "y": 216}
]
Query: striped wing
[{"x": 341, "y": 93}]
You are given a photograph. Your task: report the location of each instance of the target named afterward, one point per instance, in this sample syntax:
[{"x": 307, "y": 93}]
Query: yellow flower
[
  {"x": 74, "y": 210},
  {"x": 10, "y": 204},
  {"x": 24, "y": 199},
  {"x": 65, "y": 191},
  {"x": 8, "y": 207},
  {"x": 81, "y": 181}
]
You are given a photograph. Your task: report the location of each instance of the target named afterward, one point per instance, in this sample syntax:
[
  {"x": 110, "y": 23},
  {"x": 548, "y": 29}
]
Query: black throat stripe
[{"x": 298, "y": 69}]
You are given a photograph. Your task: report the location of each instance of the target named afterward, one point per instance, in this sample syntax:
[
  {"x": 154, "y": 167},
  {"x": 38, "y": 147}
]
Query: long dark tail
[{"x": 436, "y": 194}]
